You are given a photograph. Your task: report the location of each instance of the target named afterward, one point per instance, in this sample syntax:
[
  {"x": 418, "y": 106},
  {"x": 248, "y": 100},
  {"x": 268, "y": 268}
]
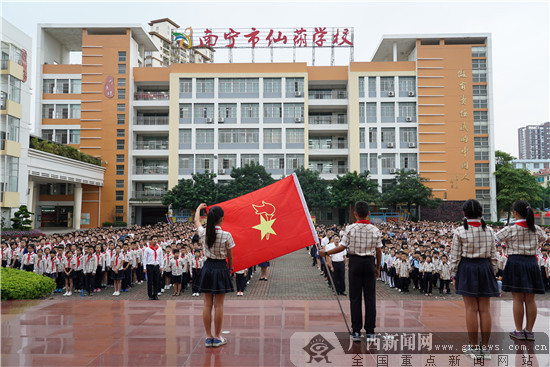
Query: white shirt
[
  {"x": 335, "y": 257},
  {"x": 149, "y": 257}
]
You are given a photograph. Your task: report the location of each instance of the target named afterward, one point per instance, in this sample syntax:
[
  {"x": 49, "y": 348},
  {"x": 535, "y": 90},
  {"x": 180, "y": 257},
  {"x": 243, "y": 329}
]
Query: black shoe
[
  {"x": 356, "y": 336},
  {"x": 343, "y": 294},
  {"x": 151, "y": 299},
  {"x": 156, "y": 298}
]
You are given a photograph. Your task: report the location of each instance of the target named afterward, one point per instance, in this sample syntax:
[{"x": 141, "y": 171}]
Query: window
[
  {"x": 373, "y": 162},
  {"x": 480, "y": 90},
  {"x": 480, "y": 116},
  {"x": 48, "y": 86},
  {"x": 242, "y": 136},
  {"x": 481, "y": 129},
  {"x": 362, "y": 136},
  {"x": 61, "y": 136},
  {"x": 61, "y": 111},
  {"x": 47, "y": 134},
  {"x": 294, "y": 161},
  {"x": 481, "y": 156},
  {"x": 482, "y": 181},
  {"x": 479, "y": 76},
  {"x": 120, "y": 119},
  {"x": 386, "y": 84},
  {"x": 272, "y": 136},
  {"x": 75, "y": 111},
  {"x": 250, "y": 110},
  {"x": 119, "y": 209},
  {"x": 407, "y": 135},
  {"x": 482, "y": 168},
  {"x": 272, "y": 85},
  {"x": 294, "y": 136},
  {"x": 407, "y": 109},
  {"x": 407, "y": 83},
  {"x": 121, "y": 93},
  {"x": 120, "y": 169},
  {"x": 120, "y": 158},
  {"x": 120, "y": 133},
  {"x": 121, "y": 56},
  {"x": 74, "y": 136},
  {"x": 387, "y": 111},
  {"x": 480, "y": 101},
  {"x": 294, "y": 110},
  {"x": 408, "y": 161},
  {"x": 186, "y": 162},
  {"x": 372, "y": 86},
  {"x": 205, "y": 85},
  {"x": 121, "y": 82},
  {"x": 122, "y": 68},
  {"x": 185, "y": 137},
  {"x": 186, "y": 111},
  {"x": 11, "y": 174},
  {"x": 371, "y": 111},
  {"x": 480, "y": 142},
  {"x": 479, "y": 51},
  {"x": 388, "y": 135},
  {"x": 62, "y": 86},
  {"x": 227, "y": 161},
  {"x": 121, "y": 107},
  {"x": 249, "y": 159},
  {"x": 388, "y": 161},
  {"x": 47, "y": 111},
  {"x": 10, "y": 128},
  {"x": 227, "y": 110},
  {"x": 361, "y": 86},
  {"x": 274, "y": 161},
  {"x": 294, "y": 85},
  {"x": 119, "y": 184},
  {"x": 76, "y": 86},
  {"x": 272, "y": 110},
  {"x": 372, "y": 135},
  {"x": 205, "y": 136},
  {"x": 479, "y": 64},
  {"x": 483, "y": 194},
  {"x": 205, "y": 161},
  {"x": 120, "y": 144},
  {"x": 204, "y": 110},
  {"x": 119, "y": 195},
  {"x": 186, "y": 85}
]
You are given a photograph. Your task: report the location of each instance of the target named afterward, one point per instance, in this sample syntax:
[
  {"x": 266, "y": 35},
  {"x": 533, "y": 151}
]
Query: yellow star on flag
[{"x": 265, "y": 227}]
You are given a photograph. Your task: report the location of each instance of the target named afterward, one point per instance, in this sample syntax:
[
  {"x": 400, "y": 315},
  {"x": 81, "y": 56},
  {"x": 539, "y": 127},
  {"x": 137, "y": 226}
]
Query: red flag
[{"x": 267, "y": 223}]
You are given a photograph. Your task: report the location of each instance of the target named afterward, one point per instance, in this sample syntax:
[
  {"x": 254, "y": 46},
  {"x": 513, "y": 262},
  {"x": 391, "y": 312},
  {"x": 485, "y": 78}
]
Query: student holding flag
[
  {"x": 215, "y": 278},
  {"x": 363, "y": 242}
]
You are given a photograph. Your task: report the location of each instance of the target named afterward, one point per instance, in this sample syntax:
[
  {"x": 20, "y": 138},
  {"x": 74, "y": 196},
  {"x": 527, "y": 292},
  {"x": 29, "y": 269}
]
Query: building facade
[
  {"x": 534, "y": 141},
  {"x": 422, "y": 103}
]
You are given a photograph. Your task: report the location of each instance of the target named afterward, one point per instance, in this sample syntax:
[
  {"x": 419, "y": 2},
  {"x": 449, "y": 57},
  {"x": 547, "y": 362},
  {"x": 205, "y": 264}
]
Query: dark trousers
[
  {"x": 240, "y": 280},
  {"x": 88, "y": 282},
  {"x": 4, "y": 263},
  {"x": 195, "y": 283},
  {"x": 415, "y": 274},
  {"x": 428, "y": 280},
  {"x": 29, "y": 267},
  {"x": 435, "y": 279},
  {"x": 98, "y": 277},
  {"x": 153, "y": 280},
  {"x": 127, "y": 276},
  {"x": 444, "y": 284},
  {"x": 362, "y": 285},
  {"x": 78, "y": 280},
  {"x": 60, "y": 281},
  {"x": 339, "y": 276},
  {"x": 404, "y": 284},
  {"x": 139, "y": 273}
]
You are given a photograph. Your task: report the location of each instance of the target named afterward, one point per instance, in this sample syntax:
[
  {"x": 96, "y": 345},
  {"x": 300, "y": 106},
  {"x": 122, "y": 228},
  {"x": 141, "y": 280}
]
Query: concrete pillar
[
  {"x": 32, "y": 201},
  {"x": 77, "y": 212},
  {"x": 395, "y": 51}
]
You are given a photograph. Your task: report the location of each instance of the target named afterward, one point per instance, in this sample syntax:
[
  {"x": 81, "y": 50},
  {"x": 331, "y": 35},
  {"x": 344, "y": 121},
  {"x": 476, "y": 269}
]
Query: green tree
[
  {"x": 544, "y": 201},
  {"x": 346, "y": 190},
  {"x": 22, "y": 219},
  {"x": 409, "y": 189},
  {"x": 315, "y": 189},
  {"x": 246, "y": 179},
  {"x": 503, "y": 159},
  {"x": 515, "y": 184},
  {"x": 189, "y": 193}
]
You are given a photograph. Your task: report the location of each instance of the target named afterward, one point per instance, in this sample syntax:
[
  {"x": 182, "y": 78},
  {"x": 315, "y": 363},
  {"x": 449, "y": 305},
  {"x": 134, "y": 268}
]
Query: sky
[{"x": 520, "y": 35}]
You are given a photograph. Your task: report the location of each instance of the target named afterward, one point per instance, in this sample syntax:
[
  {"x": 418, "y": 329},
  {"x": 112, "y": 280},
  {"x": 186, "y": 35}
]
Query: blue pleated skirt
[
  {"x": 522, "y": 274},
  {"x": 215, "y": 278},
  {"x": 475, "y": 278}
]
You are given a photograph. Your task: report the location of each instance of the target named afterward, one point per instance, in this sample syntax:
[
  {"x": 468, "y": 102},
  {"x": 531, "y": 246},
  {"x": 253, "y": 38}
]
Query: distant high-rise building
[{"x": 534, "y": 141}]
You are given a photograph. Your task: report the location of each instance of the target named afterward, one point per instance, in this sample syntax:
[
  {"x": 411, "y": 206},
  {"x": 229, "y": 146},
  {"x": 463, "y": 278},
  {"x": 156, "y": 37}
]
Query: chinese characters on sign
[
  {"x": 463, "y": 131},
  {"x": 253, "y": 37}
]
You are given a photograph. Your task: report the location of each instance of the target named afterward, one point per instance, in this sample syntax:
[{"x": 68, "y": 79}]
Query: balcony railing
[
  {"x": 146, "y": 170},
  {"x": 149, "y": 194},
  {"x": 333, "y": 94},
  {"x": 4, "y": 64},
  {"x": 328, "y": 169},
  {"x": 151, "y": 96},
  {"x": 329, "y": 144},
  {"x": 3, "y": 103},
  {"x": 327, "y": 120},
  {"x": 152, "y": 145},
  {"x": 152, "y": 120}
]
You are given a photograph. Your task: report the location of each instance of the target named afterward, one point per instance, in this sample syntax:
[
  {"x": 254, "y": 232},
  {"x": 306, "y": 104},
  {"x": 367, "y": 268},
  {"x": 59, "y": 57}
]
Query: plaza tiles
[{"x": 260, "y": 333}]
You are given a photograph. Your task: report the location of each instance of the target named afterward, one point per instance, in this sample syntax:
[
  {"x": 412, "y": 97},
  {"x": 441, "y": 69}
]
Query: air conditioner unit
[
  {"x": 393, "y": 170},
  {"x": 222, "y": 172},
  {"x": 298, "y": 120},
  {"x": 209, "y": 120},
  {"x": 390, "y": 145},
  {"x": 412, "y": 145},
  {"x": 297, "y": 94},
  {"x": 411, "y": 94},
  {"x": 408, "y": 119},
  {"x": 391, "y": 94},
  {"x": 221, "y": 120}
]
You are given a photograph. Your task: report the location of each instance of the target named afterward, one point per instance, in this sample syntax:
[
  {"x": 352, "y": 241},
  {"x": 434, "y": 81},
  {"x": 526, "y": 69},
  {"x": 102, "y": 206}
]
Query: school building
[{"x": 423, "y": 102}]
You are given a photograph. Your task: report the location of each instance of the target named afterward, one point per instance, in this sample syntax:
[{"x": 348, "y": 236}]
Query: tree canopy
[
  {"x": 346, "y": 190},
  {"x": 409, "y": 189},
  {"x": 315, "y": 189}
]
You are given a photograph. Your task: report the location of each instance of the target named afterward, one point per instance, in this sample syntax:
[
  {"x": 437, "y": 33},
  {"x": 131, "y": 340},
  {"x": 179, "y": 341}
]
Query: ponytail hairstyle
[
  {"x": 214, "y": 215},
  {"x": 472, "y": 210},
  {"x": 523, "y": 208}
]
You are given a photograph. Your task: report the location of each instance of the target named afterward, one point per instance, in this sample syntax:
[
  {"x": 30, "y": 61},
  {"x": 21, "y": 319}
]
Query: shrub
[
  {"x": 9, "y": 233},
  {"x": 114, "y": 224},
  {"x": 19, "y": 284}
]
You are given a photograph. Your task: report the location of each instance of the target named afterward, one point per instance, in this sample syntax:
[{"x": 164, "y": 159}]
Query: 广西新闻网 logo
[{"x": 318, "y": 348}]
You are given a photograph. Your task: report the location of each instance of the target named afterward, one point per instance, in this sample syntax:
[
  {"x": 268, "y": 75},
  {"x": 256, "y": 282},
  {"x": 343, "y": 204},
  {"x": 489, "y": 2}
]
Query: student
[
  {"x": 215, "y": 279},
  {"x": 444, "y": 275},
  {"x": 153, "y": 262},
  {"x": 197, "y": 266},
  {"x": 5, "y": 255},
  {"x": 542, "y": 259},
  {"x": 167, "y": 272},
  {"x": 100, "y": 259},
  {"x": 240, "y": 281},
  {"x": 117, "y": 264},
  {"x": 68, "y": 274},
  {"x": 363, "y": 242},
  {"x": 391, "y": 269},
  {"x": 429, "y": 270},
  {"x": 89, "y": 270},
  {"x": 521, "y": 275},
  {"x": 50, "y": 265},
  {"x": 29, "y": 259},
  {"x": 176, "y": 269},
  {"x": 404, "y": 273},
  {"x": 126, "y": 268},
  {"x": 337, "y": 265},
  {"x": 420, "y": 274},
  {"x": 473, "y": 269},
  {"x": 437, "y": 269},
  {"x": 39, "y": 268}
]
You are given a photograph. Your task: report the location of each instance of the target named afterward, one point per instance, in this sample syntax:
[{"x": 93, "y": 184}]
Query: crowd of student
[
  {"x": 414, "y": 253},
  {"x": 89, "y": 261}
]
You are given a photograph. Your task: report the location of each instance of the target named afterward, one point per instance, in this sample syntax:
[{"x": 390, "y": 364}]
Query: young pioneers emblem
[{"x": 266, "y": 211}]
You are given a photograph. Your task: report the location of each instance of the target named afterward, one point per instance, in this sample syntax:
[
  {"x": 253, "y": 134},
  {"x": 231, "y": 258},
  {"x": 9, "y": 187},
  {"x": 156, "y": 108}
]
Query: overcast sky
[{"x": 520, "y": 32}]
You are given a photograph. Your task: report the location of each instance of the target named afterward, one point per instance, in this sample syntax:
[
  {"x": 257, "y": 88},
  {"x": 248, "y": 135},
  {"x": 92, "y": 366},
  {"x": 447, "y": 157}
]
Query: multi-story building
[
  {"x": 533, "y": 165},
  {"x": 534, "y": 141},
  {"x": 422, "y": 103},
  {"x": 15, "y": 118}
]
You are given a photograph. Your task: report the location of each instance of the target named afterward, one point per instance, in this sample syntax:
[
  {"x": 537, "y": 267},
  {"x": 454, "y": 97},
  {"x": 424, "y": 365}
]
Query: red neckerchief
[
  {"x": 97, "y": 255},
  {"x": 197, "y": 262},
  {"x": 522, "y": 224},
  {"x": 154, "y": 250},
  {"x": 53, "y": 263},
  {"x": 116, "y": 261},
  {"x": 78, "y": 261},
  {"x": 364, "y": 221},
  {"x": 29, "y": 257},
  {"x": 474, "y": 223},
  {"x": 88, "y": 259}
]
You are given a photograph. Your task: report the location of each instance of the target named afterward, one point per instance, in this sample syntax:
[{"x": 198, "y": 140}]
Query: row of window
[
  {"x": 387, "y": 135},
  {"x": 246, "y": 136},
  {"x": 406, "y": 111},
  {"x": 248, "y": 110},
  {"x": 200, "y": 162},
  {"x": 387, "y": 161},
  {"x": 241, "y": 86},
  {"x": 386, "y": 86},
  {"x": 10, "y": 89},
  {"x": 62, "y": 86},
  {"x": 61, "y": 111},
  {"x": 10, "y": 173},
  {"x": 62, "y": 136},
  {"x": 9, "y": 128},
  {"x": 12, "y": 52}
]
